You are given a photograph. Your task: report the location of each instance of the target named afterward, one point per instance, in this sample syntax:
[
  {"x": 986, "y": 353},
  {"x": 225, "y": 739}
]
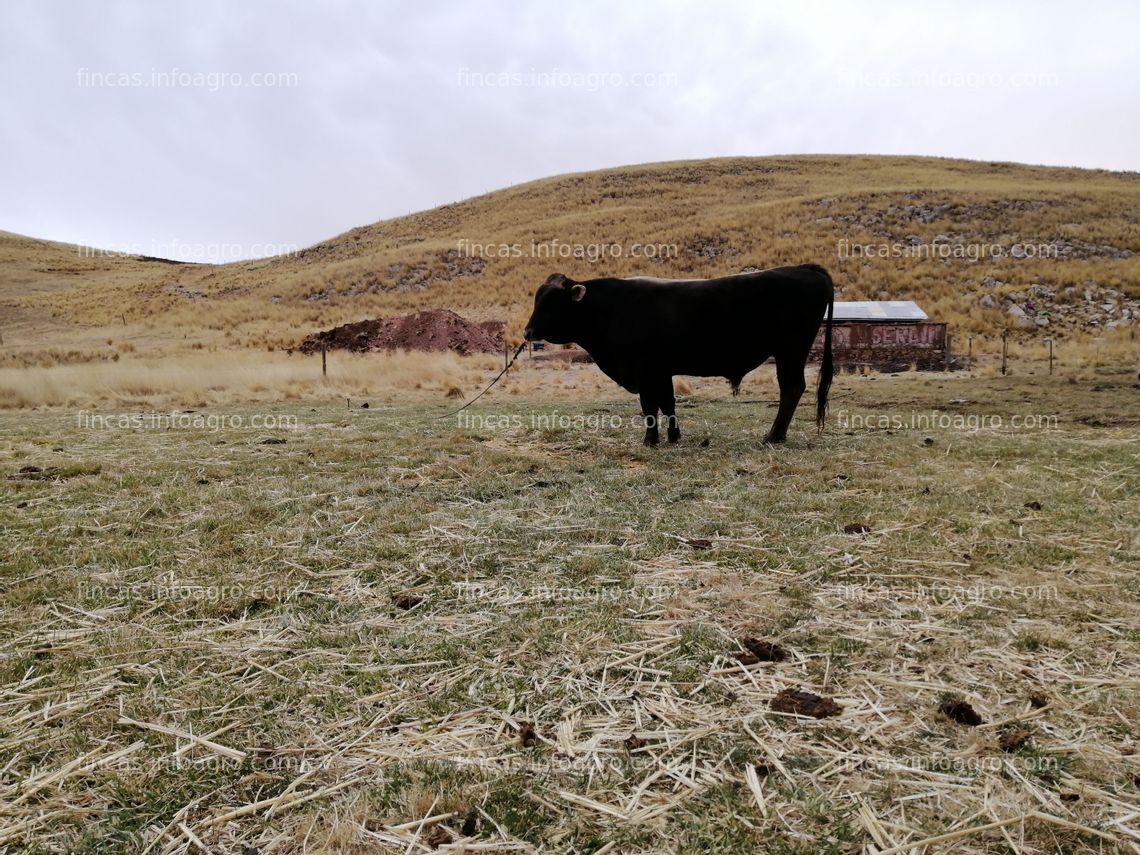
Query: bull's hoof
[
  {"x": 651, "y": 438},
  {"x": 773, "y": 440},
  {"x": 674, "y": 434}
]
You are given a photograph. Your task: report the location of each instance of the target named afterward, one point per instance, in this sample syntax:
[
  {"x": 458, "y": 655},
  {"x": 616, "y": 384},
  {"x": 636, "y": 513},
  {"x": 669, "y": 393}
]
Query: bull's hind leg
[
  {"x": 649, "y": 410},
  {"x": 790, "y": 376},
  {"x": 669, "y": 410}
]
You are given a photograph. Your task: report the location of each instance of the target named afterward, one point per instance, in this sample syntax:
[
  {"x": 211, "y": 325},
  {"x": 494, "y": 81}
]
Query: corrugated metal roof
[{"x": 878, "y": 310}]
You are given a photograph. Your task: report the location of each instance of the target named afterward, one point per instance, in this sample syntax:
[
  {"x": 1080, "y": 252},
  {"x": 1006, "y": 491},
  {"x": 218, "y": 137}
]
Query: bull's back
[{"x": 728, "y": 326}]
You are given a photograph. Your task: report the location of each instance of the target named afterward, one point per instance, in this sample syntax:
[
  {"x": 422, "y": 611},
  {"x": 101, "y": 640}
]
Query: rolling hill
[{"x": 965, "y": 239}]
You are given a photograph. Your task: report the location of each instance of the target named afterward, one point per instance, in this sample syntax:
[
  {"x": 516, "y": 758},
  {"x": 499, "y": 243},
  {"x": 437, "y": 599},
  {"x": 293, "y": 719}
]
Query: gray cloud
[{"x": 386, "y": 108}]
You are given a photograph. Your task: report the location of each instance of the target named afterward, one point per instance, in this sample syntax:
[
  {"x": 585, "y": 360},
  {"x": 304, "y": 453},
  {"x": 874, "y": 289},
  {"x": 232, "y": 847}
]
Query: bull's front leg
[{"x": 649, "y": 407}]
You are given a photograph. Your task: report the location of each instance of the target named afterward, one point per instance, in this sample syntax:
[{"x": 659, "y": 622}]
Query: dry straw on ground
[{"x": 387, "y": 634}]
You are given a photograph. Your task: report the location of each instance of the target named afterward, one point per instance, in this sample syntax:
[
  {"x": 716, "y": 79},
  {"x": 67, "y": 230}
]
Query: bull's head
[{"x": 555, "y": 310}]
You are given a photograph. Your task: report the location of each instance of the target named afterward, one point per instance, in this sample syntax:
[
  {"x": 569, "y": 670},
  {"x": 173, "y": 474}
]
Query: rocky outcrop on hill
[{"x": 1071, "y": 308}]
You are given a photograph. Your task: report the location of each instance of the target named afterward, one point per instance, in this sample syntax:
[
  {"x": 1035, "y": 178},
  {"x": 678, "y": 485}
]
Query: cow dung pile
[{"x": 434, "y": 330}]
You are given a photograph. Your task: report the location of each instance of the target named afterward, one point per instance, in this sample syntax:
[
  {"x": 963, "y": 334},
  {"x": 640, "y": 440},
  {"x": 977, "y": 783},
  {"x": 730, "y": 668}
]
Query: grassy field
[
  {"x": 206, "y": 378},
  {"x": 324, "y": 628},
  {"x": 214, "y": 377}
]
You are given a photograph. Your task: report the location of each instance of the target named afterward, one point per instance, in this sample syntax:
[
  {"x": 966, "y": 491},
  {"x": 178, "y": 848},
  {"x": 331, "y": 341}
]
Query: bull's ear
[
  {"x": 577, "y": 291},
  {"x": 556, "y": 279}
]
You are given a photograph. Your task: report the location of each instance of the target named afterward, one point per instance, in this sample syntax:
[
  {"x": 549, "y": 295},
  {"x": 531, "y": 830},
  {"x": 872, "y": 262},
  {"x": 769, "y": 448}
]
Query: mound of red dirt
[{"x": 434, "y": 330}]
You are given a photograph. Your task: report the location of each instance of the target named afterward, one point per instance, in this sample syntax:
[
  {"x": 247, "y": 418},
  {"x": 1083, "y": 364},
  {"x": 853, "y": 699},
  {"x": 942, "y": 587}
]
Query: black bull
[{"x": 643, "y": 331}]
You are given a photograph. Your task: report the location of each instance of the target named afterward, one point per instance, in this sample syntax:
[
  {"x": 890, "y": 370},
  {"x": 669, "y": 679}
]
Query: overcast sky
[{"x": 217, "y": 130}]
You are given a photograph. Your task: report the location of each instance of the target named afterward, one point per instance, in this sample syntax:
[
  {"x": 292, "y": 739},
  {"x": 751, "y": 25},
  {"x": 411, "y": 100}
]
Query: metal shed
[{"x": 885, "y": 334}]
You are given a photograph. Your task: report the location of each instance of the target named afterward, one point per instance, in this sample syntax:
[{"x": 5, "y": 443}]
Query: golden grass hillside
[{"x": 484, "y": 256}]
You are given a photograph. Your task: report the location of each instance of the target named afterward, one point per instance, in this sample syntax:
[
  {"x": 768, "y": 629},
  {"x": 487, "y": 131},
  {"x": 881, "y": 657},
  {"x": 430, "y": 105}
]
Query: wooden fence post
[{"x": 1004, "y": 350}]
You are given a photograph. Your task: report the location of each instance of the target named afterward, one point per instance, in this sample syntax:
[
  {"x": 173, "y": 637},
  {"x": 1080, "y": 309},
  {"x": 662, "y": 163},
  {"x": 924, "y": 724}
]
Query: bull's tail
[{"x": 826, "y": 370}]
